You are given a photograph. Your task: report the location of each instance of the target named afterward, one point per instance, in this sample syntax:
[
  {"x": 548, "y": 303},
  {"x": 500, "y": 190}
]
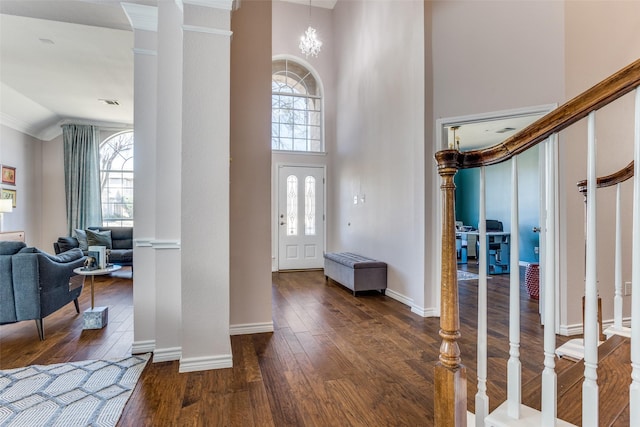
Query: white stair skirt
[
  {"x": 573, "y": 349},
  {"x": 529, "y": 417},
  {"x": 622, "y": 331}
]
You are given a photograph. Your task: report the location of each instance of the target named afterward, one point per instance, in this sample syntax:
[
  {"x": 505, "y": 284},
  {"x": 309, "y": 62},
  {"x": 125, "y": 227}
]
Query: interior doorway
[
  {"x": 300, "y": 217},
  {"x": 485, "y": 130}
]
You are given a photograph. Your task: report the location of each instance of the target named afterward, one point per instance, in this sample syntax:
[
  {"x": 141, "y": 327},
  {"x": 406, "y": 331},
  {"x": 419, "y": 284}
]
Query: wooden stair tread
[{"x": 614, "y": 370}]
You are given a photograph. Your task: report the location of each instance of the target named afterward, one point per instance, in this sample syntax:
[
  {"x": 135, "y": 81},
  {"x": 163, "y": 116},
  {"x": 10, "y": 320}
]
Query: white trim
[
  {"x": 167, "y": 354},
  {"x": 306, "y": 153},
  {"x": 214, "y": 4},
  {"x": 139, "y": 347},
  {"x": 147, "y": 52},
  {"x": 141, "y": 17},
  {"x": 251, "y": 328},
  {"x": 425, "y": 312},
  {"x": 206, "y": 30},
  {"x": 157, "y": 244},
  {"x": 193, "y": 364},
  {"x": 577, "y": 329},
  {"x": 20, "y": 126}
]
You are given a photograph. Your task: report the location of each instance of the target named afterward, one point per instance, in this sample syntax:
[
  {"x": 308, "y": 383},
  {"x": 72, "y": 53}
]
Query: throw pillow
[
  {"x": 82, "y": 239},
  {"x": 99, "y": 238}
]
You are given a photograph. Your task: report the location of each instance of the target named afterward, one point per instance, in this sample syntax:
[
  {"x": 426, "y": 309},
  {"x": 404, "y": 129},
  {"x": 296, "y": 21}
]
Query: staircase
[{"x": 560, "y": 397}]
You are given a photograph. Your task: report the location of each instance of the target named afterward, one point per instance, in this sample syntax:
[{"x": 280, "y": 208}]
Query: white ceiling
[{"x": 58, "y": 59}]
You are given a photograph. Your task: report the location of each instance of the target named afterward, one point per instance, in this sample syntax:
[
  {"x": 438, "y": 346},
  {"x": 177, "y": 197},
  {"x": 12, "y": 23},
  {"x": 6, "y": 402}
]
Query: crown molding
[{"x": 141, "y": 17}]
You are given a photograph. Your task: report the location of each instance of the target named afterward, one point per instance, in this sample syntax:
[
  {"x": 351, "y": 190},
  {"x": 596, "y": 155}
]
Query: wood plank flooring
[{"x": 333, "y": 360}]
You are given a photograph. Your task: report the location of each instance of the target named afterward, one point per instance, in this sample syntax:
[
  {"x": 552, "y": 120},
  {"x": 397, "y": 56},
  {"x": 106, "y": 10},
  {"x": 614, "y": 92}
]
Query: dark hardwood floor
[{"x": 332, "y": 360}]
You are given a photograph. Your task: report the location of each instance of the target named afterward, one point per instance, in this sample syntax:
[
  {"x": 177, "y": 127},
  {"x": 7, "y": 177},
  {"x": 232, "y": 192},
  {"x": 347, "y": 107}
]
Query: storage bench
[{"x": 356, "y": 272}]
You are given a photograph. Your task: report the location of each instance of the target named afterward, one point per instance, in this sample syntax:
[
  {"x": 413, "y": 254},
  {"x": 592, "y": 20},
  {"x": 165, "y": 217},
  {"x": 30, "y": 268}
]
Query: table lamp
[{"x": 6, "y": 206}]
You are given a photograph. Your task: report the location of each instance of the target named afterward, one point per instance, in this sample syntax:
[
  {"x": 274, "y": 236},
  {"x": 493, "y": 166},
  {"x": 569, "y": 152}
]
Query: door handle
[
  {"x": 282, "y": 223},
  {"x": 536, "y": 229}
]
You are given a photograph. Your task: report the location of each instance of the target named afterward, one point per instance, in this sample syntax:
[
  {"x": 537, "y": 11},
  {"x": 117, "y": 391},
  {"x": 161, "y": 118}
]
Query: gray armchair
[{"x": 34, "y": 284}]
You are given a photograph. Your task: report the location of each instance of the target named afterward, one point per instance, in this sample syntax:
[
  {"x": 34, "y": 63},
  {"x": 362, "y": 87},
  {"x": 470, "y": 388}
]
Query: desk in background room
[{"x": 498, "y": 249}]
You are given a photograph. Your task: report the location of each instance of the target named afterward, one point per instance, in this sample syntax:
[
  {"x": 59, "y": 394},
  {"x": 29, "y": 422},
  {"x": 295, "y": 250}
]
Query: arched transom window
[
  {"x": 116, "y": 180},
  {"x": 296, "y": 108}
]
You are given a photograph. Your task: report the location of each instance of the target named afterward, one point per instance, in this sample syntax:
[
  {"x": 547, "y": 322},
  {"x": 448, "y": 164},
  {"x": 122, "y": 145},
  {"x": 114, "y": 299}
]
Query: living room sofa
[
  {"x": 34, "y": 284},
  {"x": 121, "y": 244}
]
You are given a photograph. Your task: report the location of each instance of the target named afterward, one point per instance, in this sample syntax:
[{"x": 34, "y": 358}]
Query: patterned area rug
[
  {"x": 465, "y": 275},
  {"x": 86, "y": 393}
]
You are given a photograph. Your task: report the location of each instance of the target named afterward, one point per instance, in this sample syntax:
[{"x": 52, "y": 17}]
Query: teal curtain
[{"x": 82, "y": 176}]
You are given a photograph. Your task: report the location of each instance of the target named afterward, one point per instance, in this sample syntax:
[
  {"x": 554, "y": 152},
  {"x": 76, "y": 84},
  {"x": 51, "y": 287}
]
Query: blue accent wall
[{"x": 498, "y": 187}]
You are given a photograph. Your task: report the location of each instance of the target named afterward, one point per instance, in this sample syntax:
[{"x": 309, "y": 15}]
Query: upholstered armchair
[{"x": 34, "y": 284}]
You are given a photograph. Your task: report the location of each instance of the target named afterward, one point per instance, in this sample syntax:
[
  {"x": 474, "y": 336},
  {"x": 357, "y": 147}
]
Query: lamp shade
[{"x": 6, "y": 205}]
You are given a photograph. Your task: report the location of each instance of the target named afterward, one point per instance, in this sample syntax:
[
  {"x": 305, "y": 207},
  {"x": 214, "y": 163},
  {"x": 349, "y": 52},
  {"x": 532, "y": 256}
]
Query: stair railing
[
  {"x": 615, "y": 179},
  {"x": 450, "y": 402}
]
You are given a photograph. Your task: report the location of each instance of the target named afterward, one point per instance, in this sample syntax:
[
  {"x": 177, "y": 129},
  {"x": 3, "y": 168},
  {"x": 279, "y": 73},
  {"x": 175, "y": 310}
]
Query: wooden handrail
[
  {"x": 608, "y": 90},
  {"x": 450, "y": 374},
  {"x": 609, "y": 180}
]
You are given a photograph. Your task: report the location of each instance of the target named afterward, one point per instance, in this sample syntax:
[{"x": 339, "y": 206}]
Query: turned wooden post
[{"x": 450, "y": 401}]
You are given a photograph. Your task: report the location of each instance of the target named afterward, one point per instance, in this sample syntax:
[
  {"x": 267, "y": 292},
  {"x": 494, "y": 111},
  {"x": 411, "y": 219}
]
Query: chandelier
[{"x": 309, "y": 43}]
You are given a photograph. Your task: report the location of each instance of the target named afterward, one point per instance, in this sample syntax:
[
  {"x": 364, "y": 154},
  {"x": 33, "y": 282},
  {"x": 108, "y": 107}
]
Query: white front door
[{"x": 300, "y": 217}]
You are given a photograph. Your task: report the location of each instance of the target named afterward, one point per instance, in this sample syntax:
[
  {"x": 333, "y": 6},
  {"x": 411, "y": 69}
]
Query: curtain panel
[{"x": 82, "y": 176}]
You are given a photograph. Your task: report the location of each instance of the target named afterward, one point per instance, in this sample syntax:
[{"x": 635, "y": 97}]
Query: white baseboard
[
  {"x": 420, "y": 311},
  {"x": 425, "y": 312},
  {"x": 577, "y": 328},
  {"x": 193, "y": 364},
  {"x": 251, "y": 328},
  {"x": 398, "y": 297},
  {"x": 167, "y": 354},
  {"x": 139, "y": 347}
]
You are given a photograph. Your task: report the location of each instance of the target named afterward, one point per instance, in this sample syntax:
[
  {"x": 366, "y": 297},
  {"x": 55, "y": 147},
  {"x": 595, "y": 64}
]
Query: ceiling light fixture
[{"x": 309, "y": 43}]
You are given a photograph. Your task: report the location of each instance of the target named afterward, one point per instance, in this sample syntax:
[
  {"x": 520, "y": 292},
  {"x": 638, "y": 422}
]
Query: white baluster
[
  {"x": 549, "y": 377},
  {"x": 514, "y": 389},
  {"x": 482, "y": 400},
  {"x": 634, "y": 390},
  {"x": 617, "y": 298},
  {"x": 590, "y": 385}
]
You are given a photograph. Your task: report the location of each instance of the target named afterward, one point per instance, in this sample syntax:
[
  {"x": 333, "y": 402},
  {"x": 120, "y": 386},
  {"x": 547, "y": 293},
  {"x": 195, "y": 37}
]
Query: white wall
[
  {"x": 24, "y": 153},
  {"x": 496, "y": 55},
  {"x": 380, "y": 134},
  {"x": 601, "y": 38}
]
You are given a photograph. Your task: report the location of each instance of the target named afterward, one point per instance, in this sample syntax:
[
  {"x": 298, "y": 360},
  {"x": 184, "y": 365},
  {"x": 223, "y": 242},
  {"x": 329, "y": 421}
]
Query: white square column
[
  {"x": 205, "y": 185},
  {"x": 168, "y": 179},
  {"x": 143, "y": 20}
]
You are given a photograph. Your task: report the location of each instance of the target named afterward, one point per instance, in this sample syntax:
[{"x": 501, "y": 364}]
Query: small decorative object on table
[{"x": 90, "y": 263}]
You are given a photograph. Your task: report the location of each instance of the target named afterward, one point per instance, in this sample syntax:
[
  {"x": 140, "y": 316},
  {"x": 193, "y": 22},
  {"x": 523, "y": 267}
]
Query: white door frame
[
  {"x": 440, "y": 143},
  {"x": 276, "y": 203}
]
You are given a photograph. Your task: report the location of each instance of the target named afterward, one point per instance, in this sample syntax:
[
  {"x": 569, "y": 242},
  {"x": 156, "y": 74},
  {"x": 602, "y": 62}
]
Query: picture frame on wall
[
  {"x": 7, "y": 193},
  {"x": 8, "y": 175}
]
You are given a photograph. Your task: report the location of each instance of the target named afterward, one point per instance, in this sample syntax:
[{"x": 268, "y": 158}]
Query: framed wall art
[
  {"x": 8, "y": 175},
  {"x": 6, "y": 193}
]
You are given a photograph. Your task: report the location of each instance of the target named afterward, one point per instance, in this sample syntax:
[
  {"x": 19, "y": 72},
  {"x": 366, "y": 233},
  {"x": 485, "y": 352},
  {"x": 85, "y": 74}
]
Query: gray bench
[{"x": 356, "y": 272}]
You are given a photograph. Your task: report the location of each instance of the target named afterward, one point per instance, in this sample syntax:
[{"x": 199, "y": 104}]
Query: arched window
[
  {"x": 296, "y": 108},
  {"x": 116, "y": 180}
]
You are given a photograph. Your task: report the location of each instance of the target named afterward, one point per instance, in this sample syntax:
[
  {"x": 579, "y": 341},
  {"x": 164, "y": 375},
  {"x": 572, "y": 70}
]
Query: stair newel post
[
  {"x": 634, "y": 392},
  {"x": 450, "y": 400},
  {"x": 514, "y": 368}
]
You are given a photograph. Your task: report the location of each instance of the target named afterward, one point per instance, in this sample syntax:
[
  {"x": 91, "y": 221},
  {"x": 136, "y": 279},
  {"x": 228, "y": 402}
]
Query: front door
[{"x": 300, "y": 217}]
